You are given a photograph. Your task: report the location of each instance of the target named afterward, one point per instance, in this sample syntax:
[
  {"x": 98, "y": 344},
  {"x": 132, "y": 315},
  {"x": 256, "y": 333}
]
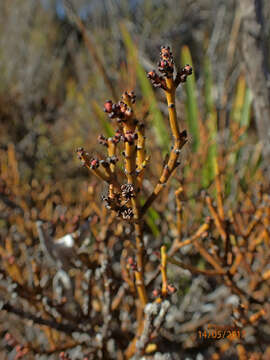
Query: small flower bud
[
  {"x": 103, "y": 140},
  {"x": 157, "y": 81},
  {"x": 155, "y": 293},
  {"x": 129, "y": 97},
  {"x": 182, "y": 75},
  {"x": 171, "y": 289},
  {"x": 127, "y": 191},
  {"x": 94, "y": 164},
  {"x": 108, "y": 106},
  {"x": 112, "y": 159},
  {"x": 166, "y": 62},
  {"x": 104, "y": 163}
]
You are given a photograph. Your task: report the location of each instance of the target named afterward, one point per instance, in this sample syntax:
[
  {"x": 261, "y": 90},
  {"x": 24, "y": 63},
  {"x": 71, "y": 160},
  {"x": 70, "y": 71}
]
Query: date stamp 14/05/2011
[{"x": 216, "y": 332}]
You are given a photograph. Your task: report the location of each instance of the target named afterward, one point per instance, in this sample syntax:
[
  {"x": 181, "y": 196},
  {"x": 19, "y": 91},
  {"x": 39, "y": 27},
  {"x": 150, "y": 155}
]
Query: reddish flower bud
[
  {"x": 163, "y": 63},
  {"x": 94, "y": 164},
  {"x": 182, "y": 75},
  {"x": 171, "y": 289},
  {"x": 11, "y": 260},
  {"x": 188, "y": 69},
  {"x": 18, "y": 347},
  {"x": 108, "y": 106},
  {"x": 131, "y": 263},
  {"x": 156, "y": 293},
  {"x": 130, "y": 260},
  {"x": 62, "y": 355},
  {"x": 7, "y": 336}
]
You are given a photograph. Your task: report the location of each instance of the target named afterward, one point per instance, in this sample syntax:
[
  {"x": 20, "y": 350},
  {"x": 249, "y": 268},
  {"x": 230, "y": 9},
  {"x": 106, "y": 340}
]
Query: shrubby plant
[{"x": 81, "y": 280}]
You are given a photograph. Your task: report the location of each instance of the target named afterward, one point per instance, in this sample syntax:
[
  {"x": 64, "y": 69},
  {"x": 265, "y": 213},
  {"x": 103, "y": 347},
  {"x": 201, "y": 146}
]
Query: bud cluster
[
  {"x": 127, "y": 191},
  {"x": 83, "y": 156},
  {"x": 115, "y": 204},
  {"x": 120, "y": 111},
  {"x": 182, "y": 75},
  {"x": 103, "y": 140},
  {"x": 156, "y": 80},
  {"x": 166, "y": 68},
  {"x": 129, "y": 97},
  {"x": 130, "y": 137},
  {"x": 112, "y": 159},
  {"x": 131, "y": 263},
  {"x": 117, "y": 136},
  {"x": 166, "y": 62},
  {"x": 171, "y": 289},
  {"x": 126, "y": 212},
  {"x": 94, "y": 163}
]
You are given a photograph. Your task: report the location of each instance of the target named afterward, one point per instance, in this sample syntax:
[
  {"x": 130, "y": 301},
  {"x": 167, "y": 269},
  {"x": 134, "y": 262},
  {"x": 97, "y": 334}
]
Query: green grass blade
[
  {"x": 245, "y": 115},
  {"x": 208, "y": 86},
  {"x": 209, "y": 171},
  {"x": 241, "y": 114},
  {"x": 151, "y": 218},
  {"x": 191, "y": 101}
]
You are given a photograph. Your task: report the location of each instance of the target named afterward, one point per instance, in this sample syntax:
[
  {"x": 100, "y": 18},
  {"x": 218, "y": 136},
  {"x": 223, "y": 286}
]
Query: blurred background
[{"x": 52, "y": 87}]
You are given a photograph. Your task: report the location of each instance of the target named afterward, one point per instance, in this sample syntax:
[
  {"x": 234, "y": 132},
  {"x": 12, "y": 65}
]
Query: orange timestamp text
[{"x": 216, "y": 332}]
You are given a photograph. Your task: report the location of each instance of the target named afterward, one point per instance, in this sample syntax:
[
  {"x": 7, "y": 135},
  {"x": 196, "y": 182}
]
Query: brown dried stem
[
  {"x": 140, "y": 153},
  {"x": 167, "y": 171},
  {"x": 216, "y": 217},
  {"x": 103, "y": 175},
  {"x": 130, "y": 170},
  {"x": 219, "y": 193},
  {"x": 178, "y": 245},
  {"x": 192, "y": 269},
  {"x": 163, "y": 269}
]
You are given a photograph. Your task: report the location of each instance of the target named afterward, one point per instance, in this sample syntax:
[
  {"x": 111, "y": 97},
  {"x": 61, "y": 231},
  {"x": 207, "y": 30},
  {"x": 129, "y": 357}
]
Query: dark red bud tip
[
  {"x": 18, "y": 348},
  {"x": 7, "y": 336},
  {"x": 155, "y": 293},
  {"x": 94, "y": 164},
  {"x": 130, "y": 260},
  {"x": 151, "y": 74},
  {"x": 108, "y": 106},
  {"x": 171, "y": 289},
  {"x": 11, "y": 260},
  {"x": 188, "y": 69}
]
